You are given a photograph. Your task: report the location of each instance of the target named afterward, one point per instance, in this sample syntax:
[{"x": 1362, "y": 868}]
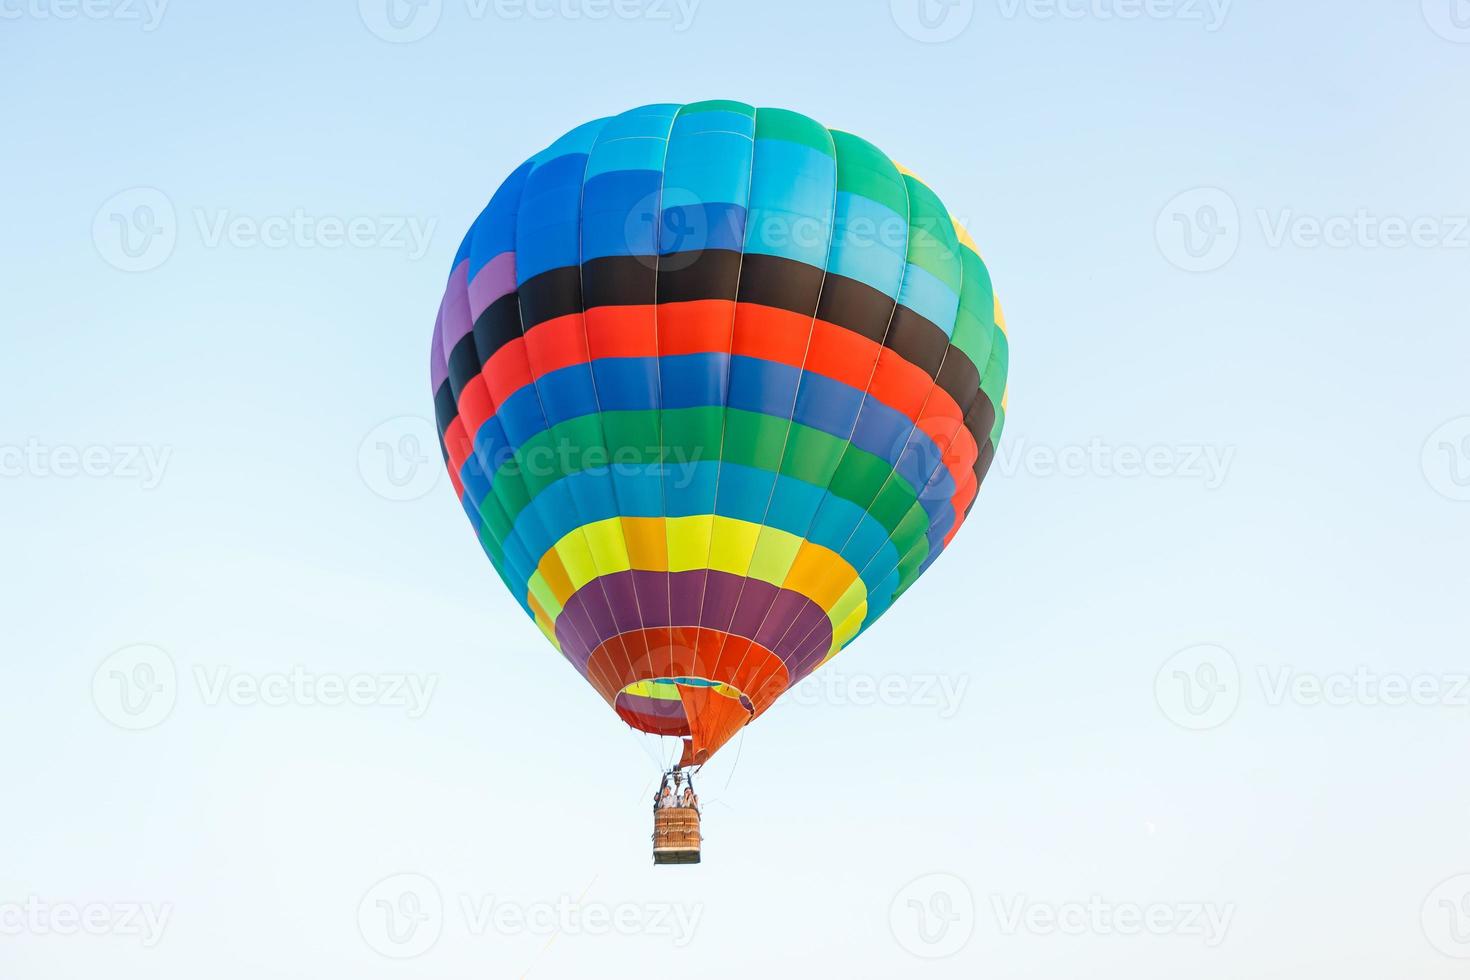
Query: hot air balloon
[{"x": 715, "y": 385}]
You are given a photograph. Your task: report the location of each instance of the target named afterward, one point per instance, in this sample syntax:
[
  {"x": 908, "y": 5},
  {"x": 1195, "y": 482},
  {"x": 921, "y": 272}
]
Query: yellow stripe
[
  {"x": 670, "y": 692},
  {"x": 724, "y": 544}
]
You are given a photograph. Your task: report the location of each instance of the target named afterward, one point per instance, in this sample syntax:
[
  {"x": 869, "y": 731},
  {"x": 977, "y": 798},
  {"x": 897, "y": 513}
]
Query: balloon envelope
[{"x": 715, "y": 385}]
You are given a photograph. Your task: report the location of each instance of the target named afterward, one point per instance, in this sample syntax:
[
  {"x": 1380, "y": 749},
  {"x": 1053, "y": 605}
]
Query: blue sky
[{"x": 1187, "y": 694}]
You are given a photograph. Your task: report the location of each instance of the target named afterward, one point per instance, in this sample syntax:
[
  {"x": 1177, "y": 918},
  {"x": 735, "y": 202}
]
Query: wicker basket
[{"x": 676, "y": 836}]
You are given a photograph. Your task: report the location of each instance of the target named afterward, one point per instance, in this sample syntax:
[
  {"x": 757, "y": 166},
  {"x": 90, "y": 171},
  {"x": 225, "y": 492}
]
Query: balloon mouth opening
[
  {"x": 704, "y": 712},
  {"x": 667, "y": 688}
]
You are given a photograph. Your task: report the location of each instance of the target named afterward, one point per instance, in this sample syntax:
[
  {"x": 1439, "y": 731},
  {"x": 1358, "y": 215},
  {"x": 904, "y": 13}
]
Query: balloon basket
[{"x": 676, "y": 836}]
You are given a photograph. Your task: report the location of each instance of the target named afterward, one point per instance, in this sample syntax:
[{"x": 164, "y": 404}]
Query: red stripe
[
  {"x": 699, "y": 326},
  {"x": 621, "y": 331}
]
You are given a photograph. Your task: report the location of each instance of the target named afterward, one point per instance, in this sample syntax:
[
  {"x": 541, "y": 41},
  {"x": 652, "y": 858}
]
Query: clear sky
[{"x": 1186, "y": 697}]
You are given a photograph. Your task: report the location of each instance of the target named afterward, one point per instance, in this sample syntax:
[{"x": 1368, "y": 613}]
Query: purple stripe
[
  {"x": 495, "y": 279},
  {"x": 656, "y": 707},
  {"x": 787, "y": 623},
  {"x": 456, "y": 308},
  {"x": 438, "y": 365}
]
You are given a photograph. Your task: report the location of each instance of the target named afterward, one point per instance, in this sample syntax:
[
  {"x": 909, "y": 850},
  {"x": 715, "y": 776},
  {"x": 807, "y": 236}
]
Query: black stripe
[
  {"x": 497, "y": 326},
  {"x": 708, "y": 274},
  {"x": 980, "y": 418},
  {"x": 781, "y": 284},
  {"x": 856, "y": 306},
  {"x": 982, "y": 466},
  {"x": 958, "y": 377},
  {"x": 446, "y": 409},
  {"x": 553, "y": 293},
  {"x": 917, "y": 340},
  {"x": 464, "y": 363},
  {"x": 619, "y": 280}
]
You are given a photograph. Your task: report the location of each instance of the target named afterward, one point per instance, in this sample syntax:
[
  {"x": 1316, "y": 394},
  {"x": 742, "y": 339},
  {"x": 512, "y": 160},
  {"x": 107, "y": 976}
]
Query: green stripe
[
  {"x": 783, "y": 124},
  {"x": 933, "y": 245},
  {"x": 974, "y": 327},
  {"x": 865, "y": 170},
  {"x": 717, "y": 105}
]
